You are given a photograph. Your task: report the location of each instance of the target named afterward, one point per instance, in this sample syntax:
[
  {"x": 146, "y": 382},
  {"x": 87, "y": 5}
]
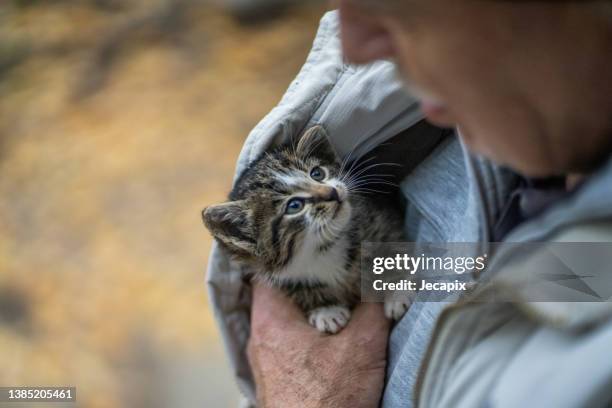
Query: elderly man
[{"x": 528, "y": 86}]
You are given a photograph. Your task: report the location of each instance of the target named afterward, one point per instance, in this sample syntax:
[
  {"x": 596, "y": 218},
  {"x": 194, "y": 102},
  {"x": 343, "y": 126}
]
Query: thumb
[{"x": 368, "y": 317}]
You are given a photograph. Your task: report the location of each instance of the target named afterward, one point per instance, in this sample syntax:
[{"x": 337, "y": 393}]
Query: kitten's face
[{"x": 290, "y": 198}]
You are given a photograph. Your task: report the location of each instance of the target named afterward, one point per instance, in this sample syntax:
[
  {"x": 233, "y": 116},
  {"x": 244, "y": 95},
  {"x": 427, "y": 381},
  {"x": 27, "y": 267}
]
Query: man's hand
[{"x": 297, "y": 366}]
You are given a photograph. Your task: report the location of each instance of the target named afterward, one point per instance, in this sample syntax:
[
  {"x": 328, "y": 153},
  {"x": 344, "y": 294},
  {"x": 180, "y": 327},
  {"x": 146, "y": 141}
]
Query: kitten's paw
[
  {"x": 397, "y": 305},
  {"x": 329, "y": 319}
]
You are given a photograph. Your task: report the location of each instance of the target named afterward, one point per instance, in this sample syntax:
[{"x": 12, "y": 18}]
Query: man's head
[{"x": 528, "y": 83}]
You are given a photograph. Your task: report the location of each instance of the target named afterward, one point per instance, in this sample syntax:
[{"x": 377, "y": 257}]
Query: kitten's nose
[
  {"x": 333, "y": 195},
  {"x": 326, "y": 193}
]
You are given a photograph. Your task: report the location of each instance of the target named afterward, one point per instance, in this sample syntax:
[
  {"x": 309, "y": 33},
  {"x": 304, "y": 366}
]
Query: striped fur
[{"x": 314, "y": 255}]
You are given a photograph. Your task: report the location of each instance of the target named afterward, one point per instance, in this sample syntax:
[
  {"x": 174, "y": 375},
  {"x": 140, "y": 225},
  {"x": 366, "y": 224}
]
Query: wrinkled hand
[{"x": 297, "y": 366}]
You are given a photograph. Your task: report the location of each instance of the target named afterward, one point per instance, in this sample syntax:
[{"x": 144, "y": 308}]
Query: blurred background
[{"x": 119, "y": 121}]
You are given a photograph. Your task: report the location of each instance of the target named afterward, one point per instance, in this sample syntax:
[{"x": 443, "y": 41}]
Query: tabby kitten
[{"x": 297, "y": 217}]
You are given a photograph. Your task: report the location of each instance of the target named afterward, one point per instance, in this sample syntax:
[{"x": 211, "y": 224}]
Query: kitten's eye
[
  {"x": 317, "y": 173},
  {"x": 294, "y": 206}
]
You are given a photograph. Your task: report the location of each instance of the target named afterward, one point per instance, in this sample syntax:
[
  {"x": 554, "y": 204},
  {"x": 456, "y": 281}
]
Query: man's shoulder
[
  {"x": 564, "y": 282},
  {"x": 505, "y": 337}
]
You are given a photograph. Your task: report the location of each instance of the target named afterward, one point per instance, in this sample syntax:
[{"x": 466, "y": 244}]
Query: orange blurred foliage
[{"x": 102, "y": 251}]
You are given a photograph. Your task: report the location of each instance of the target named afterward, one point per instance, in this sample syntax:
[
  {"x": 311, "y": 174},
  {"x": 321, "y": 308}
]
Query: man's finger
[{"x": 369, "y": 315}]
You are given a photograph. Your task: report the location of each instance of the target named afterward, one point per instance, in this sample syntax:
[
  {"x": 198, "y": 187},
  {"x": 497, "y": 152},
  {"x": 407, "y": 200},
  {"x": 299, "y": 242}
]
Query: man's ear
[
  {"x": 231, "y": 224},
  {"x": 314, "y": 142},
  {"x": 365, "y": 37}
]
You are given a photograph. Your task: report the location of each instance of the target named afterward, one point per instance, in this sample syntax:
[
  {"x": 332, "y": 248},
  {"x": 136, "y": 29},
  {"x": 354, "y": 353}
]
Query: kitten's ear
[
  {"x": 314, "y": 142},
  {"x": 231, "y": 224}
]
